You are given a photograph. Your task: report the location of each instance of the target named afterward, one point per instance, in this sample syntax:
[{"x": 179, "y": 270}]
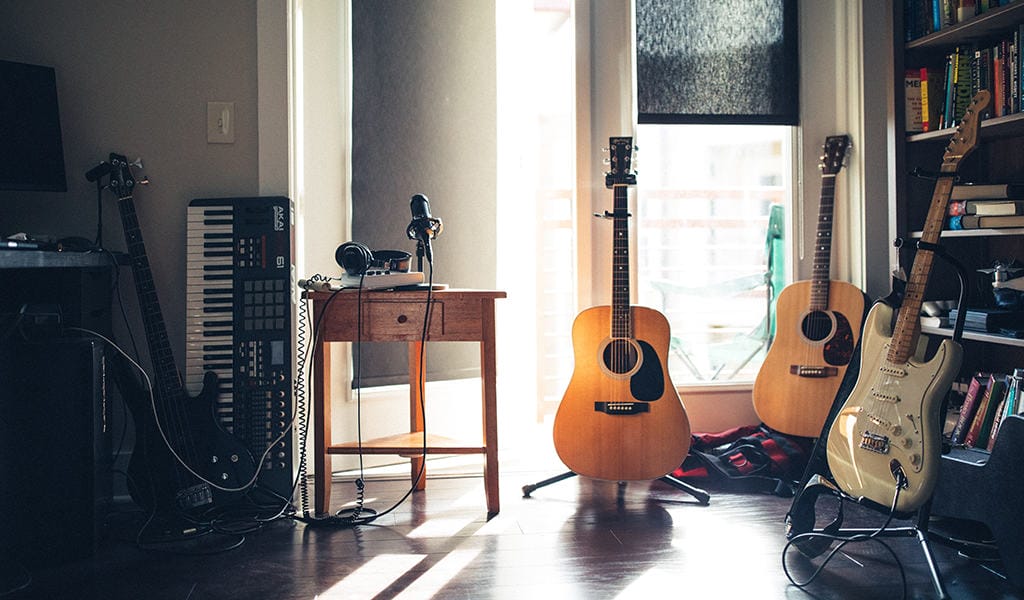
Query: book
[
  {"x": 928, "y": 321},
  {"x": 981, "y": 425},
  {"x": 987, "y": 191},
  {"x": 928, "y": 119},
  {"x": 912, "y": 100},
  {"x": 996, "y": 419},
  {"x": 961, "y": 84},
  {"x": 1008, "y": 406},
  {"x": 975, "y": 390},
  {"x": 990, "y": 319},
  {"x": 991, "y": 207},
  {"x": 991, "y": 221}
]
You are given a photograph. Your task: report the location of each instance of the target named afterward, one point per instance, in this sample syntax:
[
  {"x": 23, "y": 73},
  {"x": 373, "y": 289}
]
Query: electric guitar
[
  {"x": 621, "y": 418},
  {"x": 817, "y": 329},
  {"x": 886, "y": 437},
  {"x": 179, "y": 446}
]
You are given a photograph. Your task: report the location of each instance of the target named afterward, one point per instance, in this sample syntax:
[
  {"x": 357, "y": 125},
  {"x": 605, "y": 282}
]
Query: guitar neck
[
  {"x": 621, "y": 325},
  {"x": 908, "y": 322},
  {"x": 167, "y": 379},
  {"x": 821, "y": 273}
]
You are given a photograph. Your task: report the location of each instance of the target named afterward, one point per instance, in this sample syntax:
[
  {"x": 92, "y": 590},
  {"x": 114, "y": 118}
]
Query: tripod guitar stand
[{"x": 703, "y": 497}]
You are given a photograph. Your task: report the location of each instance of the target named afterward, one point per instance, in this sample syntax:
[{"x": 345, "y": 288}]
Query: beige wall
[{"x": 135, "y": 77}]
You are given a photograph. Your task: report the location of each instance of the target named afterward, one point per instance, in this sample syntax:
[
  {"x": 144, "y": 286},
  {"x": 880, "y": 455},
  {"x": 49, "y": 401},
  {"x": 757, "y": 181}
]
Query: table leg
[
  {"x": 417, "y": 374},
  {"x": 488, "y": 365},
  {"x": 322, "y": 429}
]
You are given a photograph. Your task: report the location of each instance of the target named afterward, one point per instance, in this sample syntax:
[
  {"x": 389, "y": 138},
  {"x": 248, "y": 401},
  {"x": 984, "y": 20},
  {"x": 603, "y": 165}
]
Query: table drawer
[{"x": 401, "y": 320}]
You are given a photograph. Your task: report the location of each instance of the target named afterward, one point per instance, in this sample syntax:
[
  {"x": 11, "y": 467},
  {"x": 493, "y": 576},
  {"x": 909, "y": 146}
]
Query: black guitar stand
[
  {"x": 703, "y": 497},
  {"x": 800, "y": 519}
]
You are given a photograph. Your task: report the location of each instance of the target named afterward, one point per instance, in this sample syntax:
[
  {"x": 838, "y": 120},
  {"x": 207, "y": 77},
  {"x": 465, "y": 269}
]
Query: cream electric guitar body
[{"x": 886, "y": 437}]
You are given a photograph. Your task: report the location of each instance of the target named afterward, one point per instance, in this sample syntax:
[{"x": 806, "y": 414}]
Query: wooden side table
[{"x": 397, "y": 316}]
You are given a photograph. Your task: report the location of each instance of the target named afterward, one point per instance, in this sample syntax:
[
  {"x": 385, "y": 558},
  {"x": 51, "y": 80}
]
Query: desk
[{"x": 397, "y": 316}]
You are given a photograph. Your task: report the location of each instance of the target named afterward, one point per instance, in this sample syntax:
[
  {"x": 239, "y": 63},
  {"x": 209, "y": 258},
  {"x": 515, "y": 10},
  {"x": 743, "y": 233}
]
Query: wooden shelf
[
  {"x": 1007, "y": 126},
  {"x": 976, "y": 336},
  {"x": 407, "y": 445},
  {"x": 952, "y": 233},
  {"x": 980, "y": 27}
]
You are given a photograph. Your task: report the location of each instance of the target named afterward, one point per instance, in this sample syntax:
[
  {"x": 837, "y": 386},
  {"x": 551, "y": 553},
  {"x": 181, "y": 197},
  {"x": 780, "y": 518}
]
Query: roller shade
[{"x": 714, "y": 62}]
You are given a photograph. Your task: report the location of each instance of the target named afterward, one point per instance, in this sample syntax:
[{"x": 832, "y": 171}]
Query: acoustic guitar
[
  {"x": 817, "y": 328},
  {"x": 181, "y": 453},
  {"x": 621, "y": 418},
  {"x": 886, "y": 438}
]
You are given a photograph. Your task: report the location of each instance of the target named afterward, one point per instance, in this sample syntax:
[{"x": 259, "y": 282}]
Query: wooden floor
[{"x": 577, "y": 538}]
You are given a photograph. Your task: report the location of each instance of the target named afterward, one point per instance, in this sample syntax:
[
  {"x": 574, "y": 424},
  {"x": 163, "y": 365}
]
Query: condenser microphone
[{"x": 423, "y": 226}]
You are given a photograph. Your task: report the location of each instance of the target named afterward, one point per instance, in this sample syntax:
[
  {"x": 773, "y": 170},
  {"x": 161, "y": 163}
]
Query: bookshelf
[{"x": 999, "y": 157}]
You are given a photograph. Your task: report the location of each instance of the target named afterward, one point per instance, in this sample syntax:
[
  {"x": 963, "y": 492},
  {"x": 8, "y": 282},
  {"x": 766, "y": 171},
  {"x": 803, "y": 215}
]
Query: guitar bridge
[
  {"x": 811, "y": 371},
  {"x": 622, "y": 408},
  {"x": 873, "y": 442}
]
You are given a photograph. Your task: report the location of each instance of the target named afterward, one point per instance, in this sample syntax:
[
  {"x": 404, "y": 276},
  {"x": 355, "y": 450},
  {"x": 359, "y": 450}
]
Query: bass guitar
[
  {"x": 884, "y": 444},
  {"x": 181, "y": 453},
  {"x": 621, "y": 418},
  {"x": 817, "y": 328}
]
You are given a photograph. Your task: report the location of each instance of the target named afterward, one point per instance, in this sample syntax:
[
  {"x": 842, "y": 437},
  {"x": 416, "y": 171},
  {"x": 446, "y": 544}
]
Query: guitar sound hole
[
  {"x": 816, "y": 326},
  {"x": 620, "y": 356}
]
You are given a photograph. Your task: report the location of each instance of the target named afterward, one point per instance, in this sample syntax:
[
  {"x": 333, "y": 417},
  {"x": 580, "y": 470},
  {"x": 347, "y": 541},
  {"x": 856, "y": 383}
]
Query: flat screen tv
[{"x": 31, "y": 147}]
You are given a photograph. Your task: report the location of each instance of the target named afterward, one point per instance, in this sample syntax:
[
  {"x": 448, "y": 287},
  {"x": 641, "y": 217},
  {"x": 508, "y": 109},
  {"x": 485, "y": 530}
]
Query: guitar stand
[
  {"x": 801, "y": 515},
  {"x": 703, "y": 497}
]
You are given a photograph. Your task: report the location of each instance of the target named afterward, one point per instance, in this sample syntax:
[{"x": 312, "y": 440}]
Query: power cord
[{"x": 351, "y": 517}]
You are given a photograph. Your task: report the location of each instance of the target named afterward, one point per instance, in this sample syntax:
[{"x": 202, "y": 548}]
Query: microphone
[{"x": 423, "y": 226}]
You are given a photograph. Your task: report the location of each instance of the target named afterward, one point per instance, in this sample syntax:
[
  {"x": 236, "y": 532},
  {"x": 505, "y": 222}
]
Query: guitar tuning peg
[
  {"x": 137, "y": 163},
  {"x": 143, "y": 180},
  {"x": 606, "y": 161}
]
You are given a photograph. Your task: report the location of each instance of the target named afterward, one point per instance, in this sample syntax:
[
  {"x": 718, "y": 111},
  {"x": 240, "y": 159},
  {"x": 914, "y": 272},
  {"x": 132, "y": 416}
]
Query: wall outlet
[{"x": 220, "y": 122}]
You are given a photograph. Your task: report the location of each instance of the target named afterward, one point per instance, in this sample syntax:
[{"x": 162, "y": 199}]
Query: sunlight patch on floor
[
  {"x": 372, "y": 578},
  {"x": 435, "y": 578}
]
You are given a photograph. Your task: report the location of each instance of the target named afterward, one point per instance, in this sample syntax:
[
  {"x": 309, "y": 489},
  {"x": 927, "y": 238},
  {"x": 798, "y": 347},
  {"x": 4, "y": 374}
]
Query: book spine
[
  {"x": 926, "y": 122},
  {"x": 997, "y": 418},
  {"x": 982, "y": 424},
  {"x": 912, "y": 100},
  {"x": 975, "y": 389}
]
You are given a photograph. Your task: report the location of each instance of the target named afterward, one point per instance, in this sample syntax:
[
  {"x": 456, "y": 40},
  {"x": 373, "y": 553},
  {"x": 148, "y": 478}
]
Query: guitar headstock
[
  {"x": 965, "y": 138},
  {"x": 122, "y": 181},
  {"x": 834, "y": 154},
  {"x": 620, "y": 157}
]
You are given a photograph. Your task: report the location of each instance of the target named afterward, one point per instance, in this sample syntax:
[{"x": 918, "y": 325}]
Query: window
[{"x": 707, "y": 195}]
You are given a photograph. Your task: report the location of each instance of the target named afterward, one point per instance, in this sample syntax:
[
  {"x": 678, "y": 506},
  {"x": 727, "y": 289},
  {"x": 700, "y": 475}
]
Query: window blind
[{"x": 713, "y": 62}]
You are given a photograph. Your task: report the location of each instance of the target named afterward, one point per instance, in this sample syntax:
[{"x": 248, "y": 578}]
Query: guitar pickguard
[
  {"x": 647, "y": 384},
  {"x": 838, "y": 351}
]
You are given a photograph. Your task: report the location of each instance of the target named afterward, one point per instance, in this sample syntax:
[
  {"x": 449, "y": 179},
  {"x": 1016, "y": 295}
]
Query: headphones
[{"x": 358, "y": 259}]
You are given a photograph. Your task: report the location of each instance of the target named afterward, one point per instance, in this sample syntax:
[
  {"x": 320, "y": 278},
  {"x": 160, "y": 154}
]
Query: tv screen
[{"x": 31, "y": 148}]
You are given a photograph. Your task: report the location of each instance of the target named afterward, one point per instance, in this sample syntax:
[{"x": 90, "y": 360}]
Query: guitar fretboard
[
  {"x": 168, "y": 382},
  {"x": 621, "y": 326},
  {"x": 821, "y": 272}
]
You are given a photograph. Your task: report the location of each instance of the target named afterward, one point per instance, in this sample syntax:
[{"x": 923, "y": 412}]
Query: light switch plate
[{"x": 220, "y": 122}]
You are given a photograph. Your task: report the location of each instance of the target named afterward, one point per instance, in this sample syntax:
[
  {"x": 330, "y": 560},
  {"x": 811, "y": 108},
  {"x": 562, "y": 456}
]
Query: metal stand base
[{"x": 703, "y": 497}]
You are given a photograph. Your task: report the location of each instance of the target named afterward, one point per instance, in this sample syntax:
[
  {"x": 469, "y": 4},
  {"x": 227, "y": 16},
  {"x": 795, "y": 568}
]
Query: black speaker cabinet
[{"x": 55, "y": 465}]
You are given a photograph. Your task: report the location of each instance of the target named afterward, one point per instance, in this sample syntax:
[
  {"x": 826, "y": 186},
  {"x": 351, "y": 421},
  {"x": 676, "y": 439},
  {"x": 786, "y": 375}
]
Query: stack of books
[
  {"x": 991, "y": 320},
  {"x": 983, "y": 206},
  {"x": 989, "y": 399}
]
